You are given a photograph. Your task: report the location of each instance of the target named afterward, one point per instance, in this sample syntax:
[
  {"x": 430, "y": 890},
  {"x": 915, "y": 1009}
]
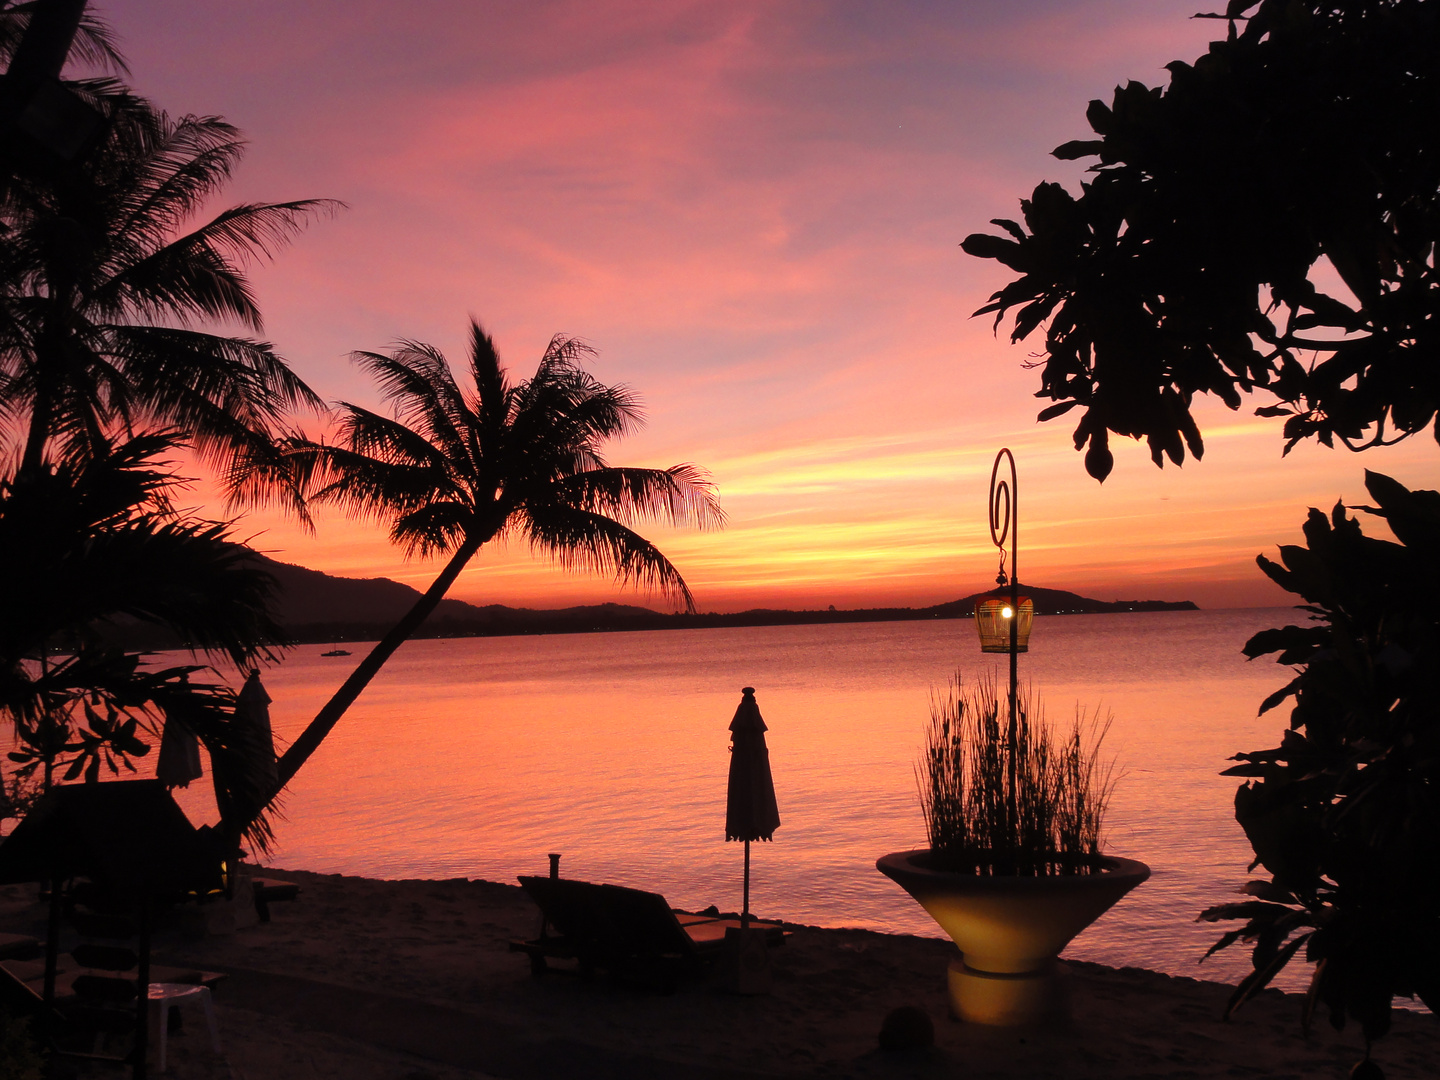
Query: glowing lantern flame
[{"x": 992, "y": 619}]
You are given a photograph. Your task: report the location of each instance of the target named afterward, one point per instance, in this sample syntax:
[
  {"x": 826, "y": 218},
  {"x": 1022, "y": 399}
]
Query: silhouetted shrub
[{"x": 1345, "y": 813}]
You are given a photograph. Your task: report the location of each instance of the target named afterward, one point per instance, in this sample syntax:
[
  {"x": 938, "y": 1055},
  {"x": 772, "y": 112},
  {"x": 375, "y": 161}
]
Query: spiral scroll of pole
[{"x": 1005, "y": 525}]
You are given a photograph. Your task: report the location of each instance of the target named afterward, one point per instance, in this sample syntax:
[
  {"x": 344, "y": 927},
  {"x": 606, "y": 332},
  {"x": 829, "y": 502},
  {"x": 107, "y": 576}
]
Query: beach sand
[{"x": 413, "y": 980}]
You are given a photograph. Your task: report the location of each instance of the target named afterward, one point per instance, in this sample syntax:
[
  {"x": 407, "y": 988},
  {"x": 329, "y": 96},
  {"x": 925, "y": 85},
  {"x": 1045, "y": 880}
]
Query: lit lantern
[{"x": 993, "y": 616}]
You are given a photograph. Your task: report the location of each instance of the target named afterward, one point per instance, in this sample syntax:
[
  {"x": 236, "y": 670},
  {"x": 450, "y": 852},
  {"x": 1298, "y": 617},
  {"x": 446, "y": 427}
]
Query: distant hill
[
  {"x": 305, "y": 597},
  {"x": 312, "y": 606},
  {"x": 317, "y": 607},
  {"x": 1059, "y": 602}
]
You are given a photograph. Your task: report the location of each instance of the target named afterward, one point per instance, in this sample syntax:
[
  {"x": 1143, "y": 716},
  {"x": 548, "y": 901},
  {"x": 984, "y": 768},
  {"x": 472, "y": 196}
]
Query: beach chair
[
  {"x": 118, "y": 855},
  {"x": 631, "y": 933},
  {"x": 270, "y": 891}
]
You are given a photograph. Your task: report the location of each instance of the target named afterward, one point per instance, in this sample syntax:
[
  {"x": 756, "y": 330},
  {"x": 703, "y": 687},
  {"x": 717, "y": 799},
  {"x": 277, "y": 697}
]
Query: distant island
[
  {"x": 314, "y": 607},
  {"x": 318, "y": 607}
]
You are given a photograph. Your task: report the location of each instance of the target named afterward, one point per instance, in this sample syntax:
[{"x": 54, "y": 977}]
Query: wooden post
[{"x": 745, "y": 906}]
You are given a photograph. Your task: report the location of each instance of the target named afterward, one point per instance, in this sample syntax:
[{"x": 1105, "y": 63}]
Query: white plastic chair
[{"x": 164, "y": 995}]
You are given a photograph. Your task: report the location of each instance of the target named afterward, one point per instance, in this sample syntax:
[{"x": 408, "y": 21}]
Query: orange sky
[{"x": 753, "y": 211}]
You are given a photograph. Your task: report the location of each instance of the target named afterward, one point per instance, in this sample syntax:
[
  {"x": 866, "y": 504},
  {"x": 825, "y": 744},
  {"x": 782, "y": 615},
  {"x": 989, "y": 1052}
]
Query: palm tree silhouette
[
  {"x": 457, "y": 468},
  {"x": 100, "y": 298},
  {"x": 102, "y": 292}
]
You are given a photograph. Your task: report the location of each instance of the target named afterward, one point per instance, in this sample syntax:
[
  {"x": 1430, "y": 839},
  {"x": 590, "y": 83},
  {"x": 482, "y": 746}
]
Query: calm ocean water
[{"x": 476, "y": 757}]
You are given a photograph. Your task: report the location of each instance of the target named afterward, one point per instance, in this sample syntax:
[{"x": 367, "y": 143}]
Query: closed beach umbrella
[
  {"x": 255, "y": 741},
  {"x": 750, "y": 809},
  {"x": 179, "y": 756}
]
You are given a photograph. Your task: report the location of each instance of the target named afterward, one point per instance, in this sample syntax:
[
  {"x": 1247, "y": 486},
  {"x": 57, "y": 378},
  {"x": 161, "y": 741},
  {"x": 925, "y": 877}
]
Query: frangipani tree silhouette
[{"x": 1264, "y": 224}]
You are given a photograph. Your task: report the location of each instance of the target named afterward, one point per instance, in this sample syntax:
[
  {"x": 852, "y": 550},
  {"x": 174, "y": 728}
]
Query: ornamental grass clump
[{"x": 1032, "y": 807}]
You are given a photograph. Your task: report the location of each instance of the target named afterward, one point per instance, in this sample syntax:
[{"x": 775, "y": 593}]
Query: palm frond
[
  {"x": 98, "y": 540},
  {"x": 193, "y": 579},
  {"x": 416, "y": 379},
  {"x": 575, "y": 404},
  {"x": 437, "y": 528},
  {"x": 171, "y": 168},
  {"x": 581, "y": 417},
  {"x": 679, "y": 495},
  {"x": 584, "y": 541},
  {"x": 232, "y": 394},
  {"x": 200, "y": 275},
  {"x": 94, "y": 42},
  {"x": 245, "y": 376},
  {"x": 260, "y": 473},
  {"x": 369, "y": 433},
  {"x": 563, "y": 354},
  {"x": 259, "y": 230},
  {"x": 363, "y": 485},
  {"x": 491, "y": 386}
]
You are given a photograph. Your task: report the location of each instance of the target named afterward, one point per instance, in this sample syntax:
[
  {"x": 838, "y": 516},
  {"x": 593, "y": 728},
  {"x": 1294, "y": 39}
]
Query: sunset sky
[{"x": 752, "y": 210}]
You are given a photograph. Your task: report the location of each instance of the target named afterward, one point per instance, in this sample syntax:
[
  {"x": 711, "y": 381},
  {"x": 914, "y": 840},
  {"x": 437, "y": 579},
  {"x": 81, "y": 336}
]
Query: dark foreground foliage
[
  {"x": 96, "y": 540},
  {"x": 114, "y": 295},
  {"x": 1267, "y": 221},
  {"x": 1345, "y": 813}
]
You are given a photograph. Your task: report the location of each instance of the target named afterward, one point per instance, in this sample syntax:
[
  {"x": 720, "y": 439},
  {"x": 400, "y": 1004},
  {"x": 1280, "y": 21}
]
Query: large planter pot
[{"x": 1009, "y": 928}]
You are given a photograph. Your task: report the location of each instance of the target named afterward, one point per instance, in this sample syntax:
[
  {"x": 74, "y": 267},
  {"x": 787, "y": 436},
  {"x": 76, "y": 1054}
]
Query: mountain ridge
[{"x": 313, "y": 606}]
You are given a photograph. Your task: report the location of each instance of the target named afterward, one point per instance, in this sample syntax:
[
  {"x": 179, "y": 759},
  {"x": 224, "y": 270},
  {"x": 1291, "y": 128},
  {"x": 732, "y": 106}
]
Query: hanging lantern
[{"x": 993, "y": 616}]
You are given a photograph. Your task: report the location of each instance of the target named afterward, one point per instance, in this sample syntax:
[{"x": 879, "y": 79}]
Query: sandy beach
[{"x": 413, "y": 980}]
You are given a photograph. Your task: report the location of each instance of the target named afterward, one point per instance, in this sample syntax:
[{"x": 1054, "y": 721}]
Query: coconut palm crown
[
  {"x": 105, "y": 291},
  {"x": 455, "y": 468}
]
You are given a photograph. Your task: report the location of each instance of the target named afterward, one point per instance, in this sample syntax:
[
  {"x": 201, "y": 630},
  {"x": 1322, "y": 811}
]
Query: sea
[{"x": 477, "y": 757}]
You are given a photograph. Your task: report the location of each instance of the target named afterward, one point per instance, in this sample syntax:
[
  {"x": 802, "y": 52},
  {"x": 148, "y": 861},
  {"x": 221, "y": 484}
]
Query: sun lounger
[
  {"x": 270, "y": 891},
  {"x": 629, "y": 932}
]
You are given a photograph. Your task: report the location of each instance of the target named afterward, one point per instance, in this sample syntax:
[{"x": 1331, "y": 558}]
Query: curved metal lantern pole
[{"x": 1005, "y": 524}]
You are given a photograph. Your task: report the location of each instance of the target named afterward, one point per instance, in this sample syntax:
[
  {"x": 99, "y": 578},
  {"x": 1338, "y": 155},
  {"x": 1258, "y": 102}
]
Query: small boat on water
[{"x": 336, "y": 652}]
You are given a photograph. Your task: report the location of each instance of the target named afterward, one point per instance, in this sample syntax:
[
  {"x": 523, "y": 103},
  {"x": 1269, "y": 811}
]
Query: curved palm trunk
[
  {"x": 311, "y": 738},
  {"x": 35, "y": 440},
  {"x": 42, "y": 409}
]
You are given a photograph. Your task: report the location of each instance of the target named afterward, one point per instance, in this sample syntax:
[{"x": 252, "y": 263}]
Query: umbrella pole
[{"x": 745, "y": 907}]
